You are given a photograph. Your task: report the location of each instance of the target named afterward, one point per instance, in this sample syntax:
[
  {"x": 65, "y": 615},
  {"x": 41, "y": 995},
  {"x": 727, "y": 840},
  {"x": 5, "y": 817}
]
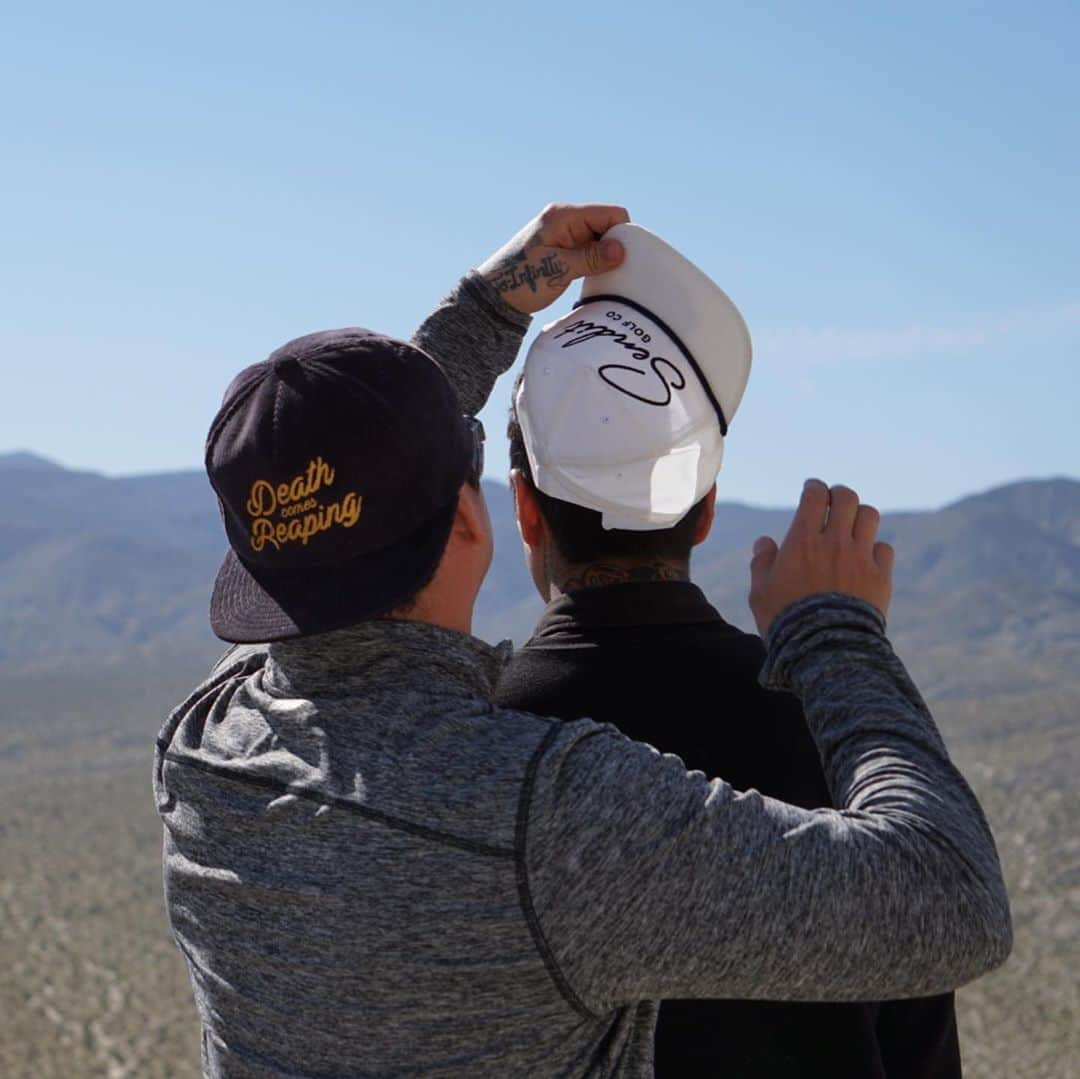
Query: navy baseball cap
[{"x": 337, "y": 463}]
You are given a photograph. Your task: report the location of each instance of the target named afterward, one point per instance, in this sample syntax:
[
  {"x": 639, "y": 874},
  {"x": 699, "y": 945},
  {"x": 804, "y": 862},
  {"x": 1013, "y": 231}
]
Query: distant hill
[
  {"x": 23, "y": 461},
  {"x": 91, "y": 567},
  {"x": 987, "y": 589}
]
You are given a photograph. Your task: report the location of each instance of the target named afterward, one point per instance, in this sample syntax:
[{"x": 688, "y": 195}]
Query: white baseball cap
[{"x": 625, "y": 402}]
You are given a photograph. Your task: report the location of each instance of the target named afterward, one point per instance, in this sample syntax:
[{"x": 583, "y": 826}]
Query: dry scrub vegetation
[{"x": 93, "y": 985}]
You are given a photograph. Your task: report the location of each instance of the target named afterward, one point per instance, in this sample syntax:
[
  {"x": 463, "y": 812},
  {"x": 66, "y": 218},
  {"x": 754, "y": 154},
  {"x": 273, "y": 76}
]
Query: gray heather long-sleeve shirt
[{"x": 372, "y": 871}]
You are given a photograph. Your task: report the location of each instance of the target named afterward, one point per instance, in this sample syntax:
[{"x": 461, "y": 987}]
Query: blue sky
[{"x": 887, "y": 192}]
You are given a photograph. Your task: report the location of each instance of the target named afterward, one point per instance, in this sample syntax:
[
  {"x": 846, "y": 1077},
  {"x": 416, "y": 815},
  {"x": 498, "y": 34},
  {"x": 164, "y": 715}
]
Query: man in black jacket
[{"x": 627, "y": 638}]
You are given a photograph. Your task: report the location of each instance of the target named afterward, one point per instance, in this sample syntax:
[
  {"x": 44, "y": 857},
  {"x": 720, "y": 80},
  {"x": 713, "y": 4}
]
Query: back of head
[
  {"x": 337, "y": 464},
  {"x": 579, "y": 532},
  {"x": 619, "y": 415}
]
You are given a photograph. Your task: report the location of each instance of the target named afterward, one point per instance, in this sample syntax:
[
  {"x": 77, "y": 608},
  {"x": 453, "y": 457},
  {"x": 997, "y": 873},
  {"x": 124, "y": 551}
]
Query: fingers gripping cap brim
[{"x": 251, "y": 606}]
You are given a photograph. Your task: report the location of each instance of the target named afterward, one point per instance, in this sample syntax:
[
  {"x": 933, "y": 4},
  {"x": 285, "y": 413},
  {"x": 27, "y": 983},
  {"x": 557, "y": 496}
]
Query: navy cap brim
[{"x": 251, "y": 606}]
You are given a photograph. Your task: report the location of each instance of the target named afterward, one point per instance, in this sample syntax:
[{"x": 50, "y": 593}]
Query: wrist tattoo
[
  {"x": 599, "y": 574},
  {"x": 517, "y": 270}
]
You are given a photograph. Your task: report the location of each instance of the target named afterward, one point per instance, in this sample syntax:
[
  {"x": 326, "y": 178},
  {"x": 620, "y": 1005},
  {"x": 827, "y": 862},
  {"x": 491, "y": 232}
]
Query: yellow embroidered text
[
  {"x": 265, "y": 497},
  {"x": 300, "y": 514}
]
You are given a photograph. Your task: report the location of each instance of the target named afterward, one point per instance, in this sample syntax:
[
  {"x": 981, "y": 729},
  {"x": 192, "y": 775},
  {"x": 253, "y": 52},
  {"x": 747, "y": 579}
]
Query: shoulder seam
[
  {"x": 522, "y": 871},
  {"x": 324, "y": 797}
]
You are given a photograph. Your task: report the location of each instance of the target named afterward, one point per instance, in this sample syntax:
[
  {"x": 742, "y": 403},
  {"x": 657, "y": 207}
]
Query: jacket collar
[{"x": 636, "y": 603}]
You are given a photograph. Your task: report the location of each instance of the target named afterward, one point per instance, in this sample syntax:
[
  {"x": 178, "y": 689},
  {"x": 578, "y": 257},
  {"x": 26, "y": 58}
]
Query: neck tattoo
[{"x": 599, "y": 574}]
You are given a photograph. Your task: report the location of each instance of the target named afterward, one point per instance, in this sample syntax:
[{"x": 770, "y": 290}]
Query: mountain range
[{"x": 92, "y": 568}]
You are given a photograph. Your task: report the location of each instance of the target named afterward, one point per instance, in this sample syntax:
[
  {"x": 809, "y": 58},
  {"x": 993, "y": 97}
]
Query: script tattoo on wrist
[
  {"x": 599, "y": 574},
  {"x": 519, "y": 270}
]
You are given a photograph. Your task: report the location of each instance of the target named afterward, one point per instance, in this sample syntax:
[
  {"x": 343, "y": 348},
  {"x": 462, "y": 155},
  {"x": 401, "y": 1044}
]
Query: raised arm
[
  {"x": 649, "y": 881},
  {"x": 476, "y": 331}
]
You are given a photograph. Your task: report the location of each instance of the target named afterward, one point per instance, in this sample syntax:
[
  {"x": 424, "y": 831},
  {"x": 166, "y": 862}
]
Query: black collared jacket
[{"x": 645, "y": 657}]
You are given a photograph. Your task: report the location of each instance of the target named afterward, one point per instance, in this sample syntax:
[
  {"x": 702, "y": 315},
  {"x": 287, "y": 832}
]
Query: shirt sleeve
[
  {"x": 649, "y": 881},
  {"x": 474, "y": 335}
]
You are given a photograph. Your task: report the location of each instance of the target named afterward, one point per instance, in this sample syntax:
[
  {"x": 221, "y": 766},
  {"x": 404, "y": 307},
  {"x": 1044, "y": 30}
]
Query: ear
[
  {"x": 471, "y": 522},
  {"x": 527, "y": 510},
  {"x": 708, "y": 512}
]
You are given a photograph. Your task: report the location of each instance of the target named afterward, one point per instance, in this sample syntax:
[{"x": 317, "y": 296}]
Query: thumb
[
  {"x": 884, "y": 556},
  {"x": 596, "y": 257},
  {"x": 765, "y": 551}
]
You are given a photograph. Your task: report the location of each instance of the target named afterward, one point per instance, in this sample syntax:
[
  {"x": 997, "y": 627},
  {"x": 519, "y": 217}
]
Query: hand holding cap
[{"x": 559, "y": 245}]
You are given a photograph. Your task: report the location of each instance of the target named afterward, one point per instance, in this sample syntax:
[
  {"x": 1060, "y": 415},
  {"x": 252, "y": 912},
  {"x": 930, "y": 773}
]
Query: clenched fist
[
  {"x": 830, "y": 547},
  {"x": 561, "y": 243}
]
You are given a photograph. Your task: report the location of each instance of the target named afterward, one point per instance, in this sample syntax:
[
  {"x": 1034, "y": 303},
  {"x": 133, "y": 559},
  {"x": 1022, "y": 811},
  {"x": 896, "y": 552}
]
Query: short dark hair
[
  {"x": 579, "y": 533},
  {"x": 472, "y": 478}
]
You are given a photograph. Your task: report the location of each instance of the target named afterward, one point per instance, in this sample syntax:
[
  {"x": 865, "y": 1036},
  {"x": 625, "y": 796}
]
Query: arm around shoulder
[{"x": 650, "y": 881}]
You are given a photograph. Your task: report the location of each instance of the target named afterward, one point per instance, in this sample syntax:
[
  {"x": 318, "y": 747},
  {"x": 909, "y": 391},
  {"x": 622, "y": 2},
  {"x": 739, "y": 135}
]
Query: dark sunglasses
[{"x": 476, "y": 467}]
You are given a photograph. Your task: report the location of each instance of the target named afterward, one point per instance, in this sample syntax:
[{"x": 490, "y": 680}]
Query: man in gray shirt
[{"x": 371, "y": 870}]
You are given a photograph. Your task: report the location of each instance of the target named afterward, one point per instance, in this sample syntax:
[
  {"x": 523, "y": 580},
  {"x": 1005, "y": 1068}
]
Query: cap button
[{"x": 287, "y": 365}]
